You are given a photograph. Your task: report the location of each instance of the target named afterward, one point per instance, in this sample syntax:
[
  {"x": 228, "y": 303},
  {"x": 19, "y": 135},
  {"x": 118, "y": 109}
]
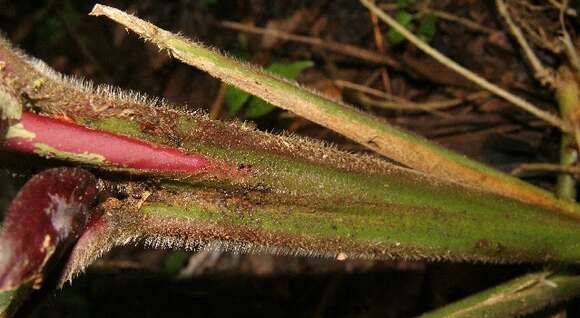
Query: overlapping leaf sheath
[
  {"x": 402, "y": 146},
  {"x": 41, "y": 224},
  {"x": 51, "y": 210},
  {"x": 263, "y": 192}
]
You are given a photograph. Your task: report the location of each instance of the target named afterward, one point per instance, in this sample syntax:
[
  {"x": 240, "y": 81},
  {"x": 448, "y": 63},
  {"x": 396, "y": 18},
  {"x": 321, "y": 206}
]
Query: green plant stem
[
  {"x": 457, "y": 229},
  {"x": 566, "y": 185},
  {"x": 520, "y": 296},
  {"x": 530, "y": 292},
  {"x": 402, "y": 146},
  {"x": 292, "y": 194},
  {"x": 568, "y": 95}
]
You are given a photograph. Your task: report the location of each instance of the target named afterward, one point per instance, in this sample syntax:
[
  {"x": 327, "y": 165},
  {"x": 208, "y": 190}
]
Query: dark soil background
[{"x": 132, "y": 281}]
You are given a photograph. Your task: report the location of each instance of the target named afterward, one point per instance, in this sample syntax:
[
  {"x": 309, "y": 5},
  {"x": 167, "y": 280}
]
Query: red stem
[{"x": 117, "y": 150}]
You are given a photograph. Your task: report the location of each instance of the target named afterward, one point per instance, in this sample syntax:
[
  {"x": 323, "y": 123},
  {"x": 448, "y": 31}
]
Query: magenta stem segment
[{"x": 56, "y": 138}]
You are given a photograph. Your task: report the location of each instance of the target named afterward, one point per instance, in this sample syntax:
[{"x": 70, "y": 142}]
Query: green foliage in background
[
  {"x": 256, "y": 107},
  {"x": 53, "y": 27},
  {"x": 425, "y": 27},
  {"x": 175, "y": 261}
]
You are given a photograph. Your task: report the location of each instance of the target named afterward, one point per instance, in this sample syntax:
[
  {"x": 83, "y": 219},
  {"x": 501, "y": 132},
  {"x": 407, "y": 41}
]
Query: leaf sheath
[
  {"x": 518, "y": 297},
  {"x": 288, "y": 195},
  {"x": 374, "y": 133}
]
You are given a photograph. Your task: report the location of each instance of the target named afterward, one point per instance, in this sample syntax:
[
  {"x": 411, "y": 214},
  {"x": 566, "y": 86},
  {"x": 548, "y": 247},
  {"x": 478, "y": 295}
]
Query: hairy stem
[
  {"x": 283, "y": 194},
  {"x": 518, "y": 297},
  {"x": 327, "y": 227},
  {"x": 532, "y": 292},
  {"x": 402, "y": 146}
]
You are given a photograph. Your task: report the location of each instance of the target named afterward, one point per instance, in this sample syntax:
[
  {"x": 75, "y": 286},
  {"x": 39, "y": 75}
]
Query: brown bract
[{"x": 49, "y": 212}]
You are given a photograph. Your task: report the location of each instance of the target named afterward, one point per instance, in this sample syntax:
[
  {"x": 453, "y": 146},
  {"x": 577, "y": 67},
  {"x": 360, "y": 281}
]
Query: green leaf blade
[
  {"x": 428, "y": 27},
  {"x": 235, "y": 99},
  {"x": 405, "y": 19},
  {"x": 290, "y": 70},
  {"x": 405, "y": 3},
  {"x": 257, "y": 108}
]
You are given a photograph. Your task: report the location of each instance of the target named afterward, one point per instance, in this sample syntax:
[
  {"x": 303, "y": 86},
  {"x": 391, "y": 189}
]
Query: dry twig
[
  {"x": 569, "y": 47},
  {"x": 513, "y": 99},
  {"x": 460, "y": 20},
  {"x": 340, "y": 48},
  {"x": 544, "y": 75},
  {"x": 549, "y": 167},
  {"x": 390, "y": 101}
]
